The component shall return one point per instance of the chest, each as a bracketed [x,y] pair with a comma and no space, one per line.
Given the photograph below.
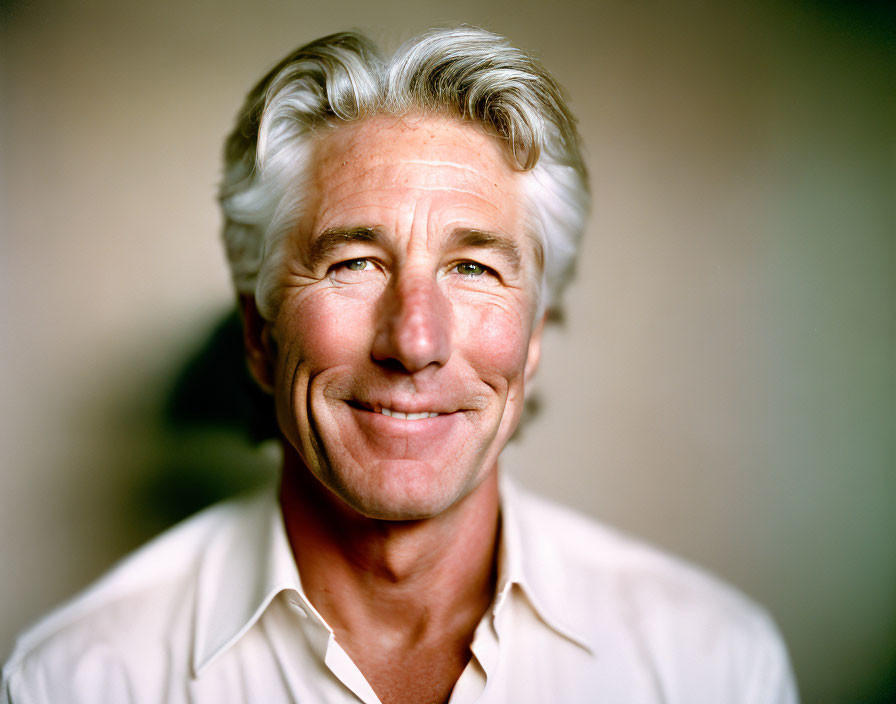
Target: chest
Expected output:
[424,675]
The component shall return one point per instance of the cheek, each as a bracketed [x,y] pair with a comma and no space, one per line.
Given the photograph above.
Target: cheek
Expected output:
[323,329]
[495,339]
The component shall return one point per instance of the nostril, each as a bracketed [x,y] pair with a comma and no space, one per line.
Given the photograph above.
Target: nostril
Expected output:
[392,364]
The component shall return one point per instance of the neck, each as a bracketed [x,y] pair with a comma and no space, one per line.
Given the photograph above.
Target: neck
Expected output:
[413,579]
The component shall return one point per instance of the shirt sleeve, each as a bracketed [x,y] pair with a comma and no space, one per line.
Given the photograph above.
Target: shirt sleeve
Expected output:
[773,681]
[10,689]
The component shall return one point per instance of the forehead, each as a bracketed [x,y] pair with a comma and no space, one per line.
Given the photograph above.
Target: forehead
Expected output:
[384,141]
[383,160]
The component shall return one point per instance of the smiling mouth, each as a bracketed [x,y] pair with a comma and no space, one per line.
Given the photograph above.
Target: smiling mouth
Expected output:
[408,416]
[392,413]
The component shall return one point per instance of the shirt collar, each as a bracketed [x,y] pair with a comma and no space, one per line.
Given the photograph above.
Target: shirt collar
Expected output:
[530,560]
[248,561]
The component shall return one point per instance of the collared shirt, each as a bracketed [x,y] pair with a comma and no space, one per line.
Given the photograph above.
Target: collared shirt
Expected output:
[214,611]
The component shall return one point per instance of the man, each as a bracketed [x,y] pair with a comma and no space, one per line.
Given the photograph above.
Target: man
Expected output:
[397,230]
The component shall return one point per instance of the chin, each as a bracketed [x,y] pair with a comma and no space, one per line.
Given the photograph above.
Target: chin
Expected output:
[403,490]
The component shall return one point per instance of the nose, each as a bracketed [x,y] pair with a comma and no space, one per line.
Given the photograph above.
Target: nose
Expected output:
[414,329]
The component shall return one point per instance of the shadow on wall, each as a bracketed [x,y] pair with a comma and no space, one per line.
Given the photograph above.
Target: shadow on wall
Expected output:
[212,422]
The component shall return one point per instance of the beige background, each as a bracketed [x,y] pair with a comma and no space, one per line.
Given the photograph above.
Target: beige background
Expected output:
[724,385]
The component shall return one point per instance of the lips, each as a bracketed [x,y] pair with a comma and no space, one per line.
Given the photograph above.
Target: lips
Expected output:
[408,416]
[416,410]
[387,430]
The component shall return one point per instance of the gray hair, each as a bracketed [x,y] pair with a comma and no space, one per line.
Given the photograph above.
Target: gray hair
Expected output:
[466,72]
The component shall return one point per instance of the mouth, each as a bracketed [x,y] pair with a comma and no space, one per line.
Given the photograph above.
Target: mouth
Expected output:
[394,412]
[408,416]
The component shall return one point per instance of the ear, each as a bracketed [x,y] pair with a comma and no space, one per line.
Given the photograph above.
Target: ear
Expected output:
[533,356]
[257,341]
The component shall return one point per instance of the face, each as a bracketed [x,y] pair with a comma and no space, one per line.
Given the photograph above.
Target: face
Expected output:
[404,332]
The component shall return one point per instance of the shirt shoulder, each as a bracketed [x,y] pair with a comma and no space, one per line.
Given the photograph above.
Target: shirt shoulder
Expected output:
[128,622]
[685,625]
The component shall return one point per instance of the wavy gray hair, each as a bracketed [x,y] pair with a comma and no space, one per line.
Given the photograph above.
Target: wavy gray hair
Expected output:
[466,72]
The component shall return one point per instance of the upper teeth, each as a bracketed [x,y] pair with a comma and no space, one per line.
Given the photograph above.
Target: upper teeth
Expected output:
[408,416]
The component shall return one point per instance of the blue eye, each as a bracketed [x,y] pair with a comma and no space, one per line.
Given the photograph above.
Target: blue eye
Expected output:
[470,269]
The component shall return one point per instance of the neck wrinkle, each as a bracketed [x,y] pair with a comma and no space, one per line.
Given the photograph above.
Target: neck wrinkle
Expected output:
[410,578]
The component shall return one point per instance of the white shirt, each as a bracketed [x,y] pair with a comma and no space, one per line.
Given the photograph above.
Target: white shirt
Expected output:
[213,611]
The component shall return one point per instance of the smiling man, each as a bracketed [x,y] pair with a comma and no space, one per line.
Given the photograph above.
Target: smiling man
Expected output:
[405,321]
[397,230]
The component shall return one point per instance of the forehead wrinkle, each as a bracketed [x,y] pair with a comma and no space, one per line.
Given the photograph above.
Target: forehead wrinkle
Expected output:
[453,164]
[334,201]
[336,207]
[411,212]
[408,211]
[326,174]
[365,172]
[480,196]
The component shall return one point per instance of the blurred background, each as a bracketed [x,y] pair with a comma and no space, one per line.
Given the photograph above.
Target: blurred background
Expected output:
[723,385]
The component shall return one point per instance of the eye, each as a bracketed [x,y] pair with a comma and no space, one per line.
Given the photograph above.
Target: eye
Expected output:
[352,271]
[470,269]
[358,264]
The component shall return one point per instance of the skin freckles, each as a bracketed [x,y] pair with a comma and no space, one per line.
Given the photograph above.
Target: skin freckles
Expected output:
[410,287]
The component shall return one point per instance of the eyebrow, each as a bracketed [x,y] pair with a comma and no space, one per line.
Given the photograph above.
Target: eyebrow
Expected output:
[335,237]
[503,244]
